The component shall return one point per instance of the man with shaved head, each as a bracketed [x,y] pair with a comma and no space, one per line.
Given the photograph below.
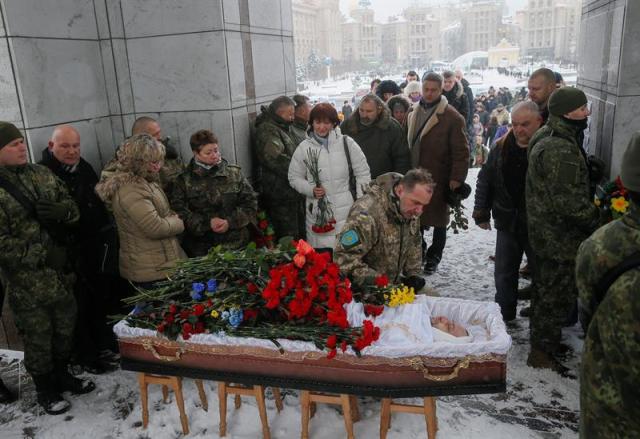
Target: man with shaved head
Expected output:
[172,166]
[62,157]
[500,191]
[542,83]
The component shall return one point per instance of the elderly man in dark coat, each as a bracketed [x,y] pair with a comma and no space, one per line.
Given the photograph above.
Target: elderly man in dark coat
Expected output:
[436,136]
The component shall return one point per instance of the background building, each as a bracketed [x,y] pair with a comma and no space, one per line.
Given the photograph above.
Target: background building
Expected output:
[503,54]
[550,29]
[423,35]
[395,41]
[317,29]
[481,21]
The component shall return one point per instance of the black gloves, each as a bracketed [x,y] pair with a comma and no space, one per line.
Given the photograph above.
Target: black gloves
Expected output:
[51,211]
[454,197]
[596,168]
[415,282]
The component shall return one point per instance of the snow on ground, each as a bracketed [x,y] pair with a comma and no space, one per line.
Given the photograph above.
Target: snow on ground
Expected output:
[537,404]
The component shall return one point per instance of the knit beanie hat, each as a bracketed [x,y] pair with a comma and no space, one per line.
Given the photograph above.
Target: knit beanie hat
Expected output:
[630,169]
[8,133]
[412,87]
[566,99]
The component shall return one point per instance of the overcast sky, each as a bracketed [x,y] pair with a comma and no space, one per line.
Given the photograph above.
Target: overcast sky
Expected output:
[385,8]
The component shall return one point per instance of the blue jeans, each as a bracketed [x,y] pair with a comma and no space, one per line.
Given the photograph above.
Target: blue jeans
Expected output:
[510,247]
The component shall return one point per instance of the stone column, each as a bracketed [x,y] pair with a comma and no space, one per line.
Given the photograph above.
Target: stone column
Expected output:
[100,64]
[609,73]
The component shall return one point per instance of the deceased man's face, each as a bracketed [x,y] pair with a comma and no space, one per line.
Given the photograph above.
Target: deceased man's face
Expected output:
[450,327]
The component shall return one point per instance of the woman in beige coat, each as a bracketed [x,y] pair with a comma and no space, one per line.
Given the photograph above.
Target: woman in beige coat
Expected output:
[147,227]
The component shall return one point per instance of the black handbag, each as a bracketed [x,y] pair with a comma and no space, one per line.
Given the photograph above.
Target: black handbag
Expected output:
[352,177]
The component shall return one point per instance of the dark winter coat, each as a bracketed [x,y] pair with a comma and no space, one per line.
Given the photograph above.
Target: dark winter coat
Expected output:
[458,100]
[469,94]
[81,183]
[441,148]
[494,188]
[383,143]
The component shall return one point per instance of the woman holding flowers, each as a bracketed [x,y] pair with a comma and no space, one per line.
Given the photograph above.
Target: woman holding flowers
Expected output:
[147,227]
[320,171]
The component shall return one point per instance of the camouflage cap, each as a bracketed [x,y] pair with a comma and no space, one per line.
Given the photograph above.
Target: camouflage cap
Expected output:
[8,133]
[630,169]
[566,99]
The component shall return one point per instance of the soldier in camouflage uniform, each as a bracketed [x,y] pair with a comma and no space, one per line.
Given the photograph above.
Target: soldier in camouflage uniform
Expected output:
[215,201]
[382,232]
[610,375]
[560,215]
[274,149]
[172,166]
[35,269]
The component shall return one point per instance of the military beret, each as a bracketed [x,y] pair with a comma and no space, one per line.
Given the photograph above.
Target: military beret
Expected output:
[566,99]
[8,133]
[630,169]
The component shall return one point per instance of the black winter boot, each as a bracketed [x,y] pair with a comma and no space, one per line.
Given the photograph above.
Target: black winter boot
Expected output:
[50,400]
[6,396]
[64,381]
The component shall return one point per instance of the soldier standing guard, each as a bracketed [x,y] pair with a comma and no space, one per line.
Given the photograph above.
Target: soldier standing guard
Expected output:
[34,207]
[560,215]
[610,375]
[382,233]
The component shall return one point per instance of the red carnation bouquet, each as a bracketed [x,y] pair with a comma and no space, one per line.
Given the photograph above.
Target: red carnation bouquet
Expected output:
[324,221]
[284,293]
[263,234]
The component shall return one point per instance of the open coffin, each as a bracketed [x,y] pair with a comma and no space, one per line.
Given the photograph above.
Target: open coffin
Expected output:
[398,370]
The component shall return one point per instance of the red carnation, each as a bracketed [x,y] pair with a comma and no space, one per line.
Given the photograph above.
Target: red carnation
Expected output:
[332,353]
[373,310]
[381,281]
[198,309]
[263,224]
[173,308]
[343,345]
[331,341]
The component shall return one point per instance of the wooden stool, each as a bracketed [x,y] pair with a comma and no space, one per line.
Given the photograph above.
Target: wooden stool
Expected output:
[144,379]
[428,409]
[349,405]
[225,389]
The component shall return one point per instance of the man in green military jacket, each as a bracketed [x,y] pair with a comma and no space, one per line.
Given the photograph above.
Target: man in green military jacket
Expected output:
[382,233]
[34,267]
[274,148]
[610,375]
[560,215]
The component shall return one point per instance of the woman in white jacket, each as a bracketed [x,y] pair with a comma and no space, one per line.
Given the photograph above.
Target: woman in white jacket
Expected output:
[334,172]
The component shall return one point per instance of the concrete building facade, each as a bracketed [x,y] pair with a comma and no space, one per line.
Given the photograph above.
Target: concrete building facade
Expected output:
[317,26]
[609,73]
[99,65]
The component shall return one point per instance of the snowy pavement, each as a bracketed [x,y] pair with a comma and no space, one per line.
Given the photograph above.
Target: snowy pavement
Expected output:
[537,404]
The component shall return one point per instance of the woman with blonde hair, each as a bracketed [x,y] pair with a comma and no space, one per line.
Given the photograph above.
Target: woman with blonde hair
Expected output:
[147,227]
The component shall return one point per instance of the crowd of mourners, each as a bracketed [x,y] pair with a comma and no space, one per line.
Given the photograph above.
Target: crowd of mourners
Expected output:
[72,244]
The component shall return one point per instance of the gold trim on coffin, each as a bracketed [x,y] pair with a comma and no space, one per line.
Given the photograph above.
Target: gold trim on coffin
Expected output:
[417,363]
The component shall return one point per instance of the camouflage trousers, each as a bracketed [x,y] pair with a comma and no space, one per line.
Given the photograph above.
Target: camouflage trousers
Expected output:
[553,297]
[288,219]
[46,325]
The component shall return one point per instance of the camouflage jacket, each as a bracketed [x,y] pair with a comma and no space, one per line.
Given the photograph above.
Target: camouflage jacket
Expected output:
[23,241]
[610,376]
[274,149]
[376,238]
[299,131]
[199,194]
[560,211]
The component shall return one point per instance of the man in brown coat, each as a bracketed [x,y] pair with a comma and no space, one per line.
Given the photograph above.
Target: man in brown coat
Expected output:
[436,135]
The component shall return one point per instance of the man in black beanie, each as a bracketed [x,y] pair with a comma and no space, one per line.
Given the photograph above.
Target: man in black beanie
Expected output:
[35,210]
[560,215]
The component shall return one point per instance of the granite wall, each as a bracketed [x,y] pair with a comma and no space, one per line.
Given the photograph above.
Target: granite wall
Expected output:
[100,64]
[609,73]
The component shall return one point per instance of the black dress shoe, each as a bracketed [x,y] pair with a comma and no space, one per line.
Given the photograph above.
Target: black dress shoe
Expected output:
[431,266]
